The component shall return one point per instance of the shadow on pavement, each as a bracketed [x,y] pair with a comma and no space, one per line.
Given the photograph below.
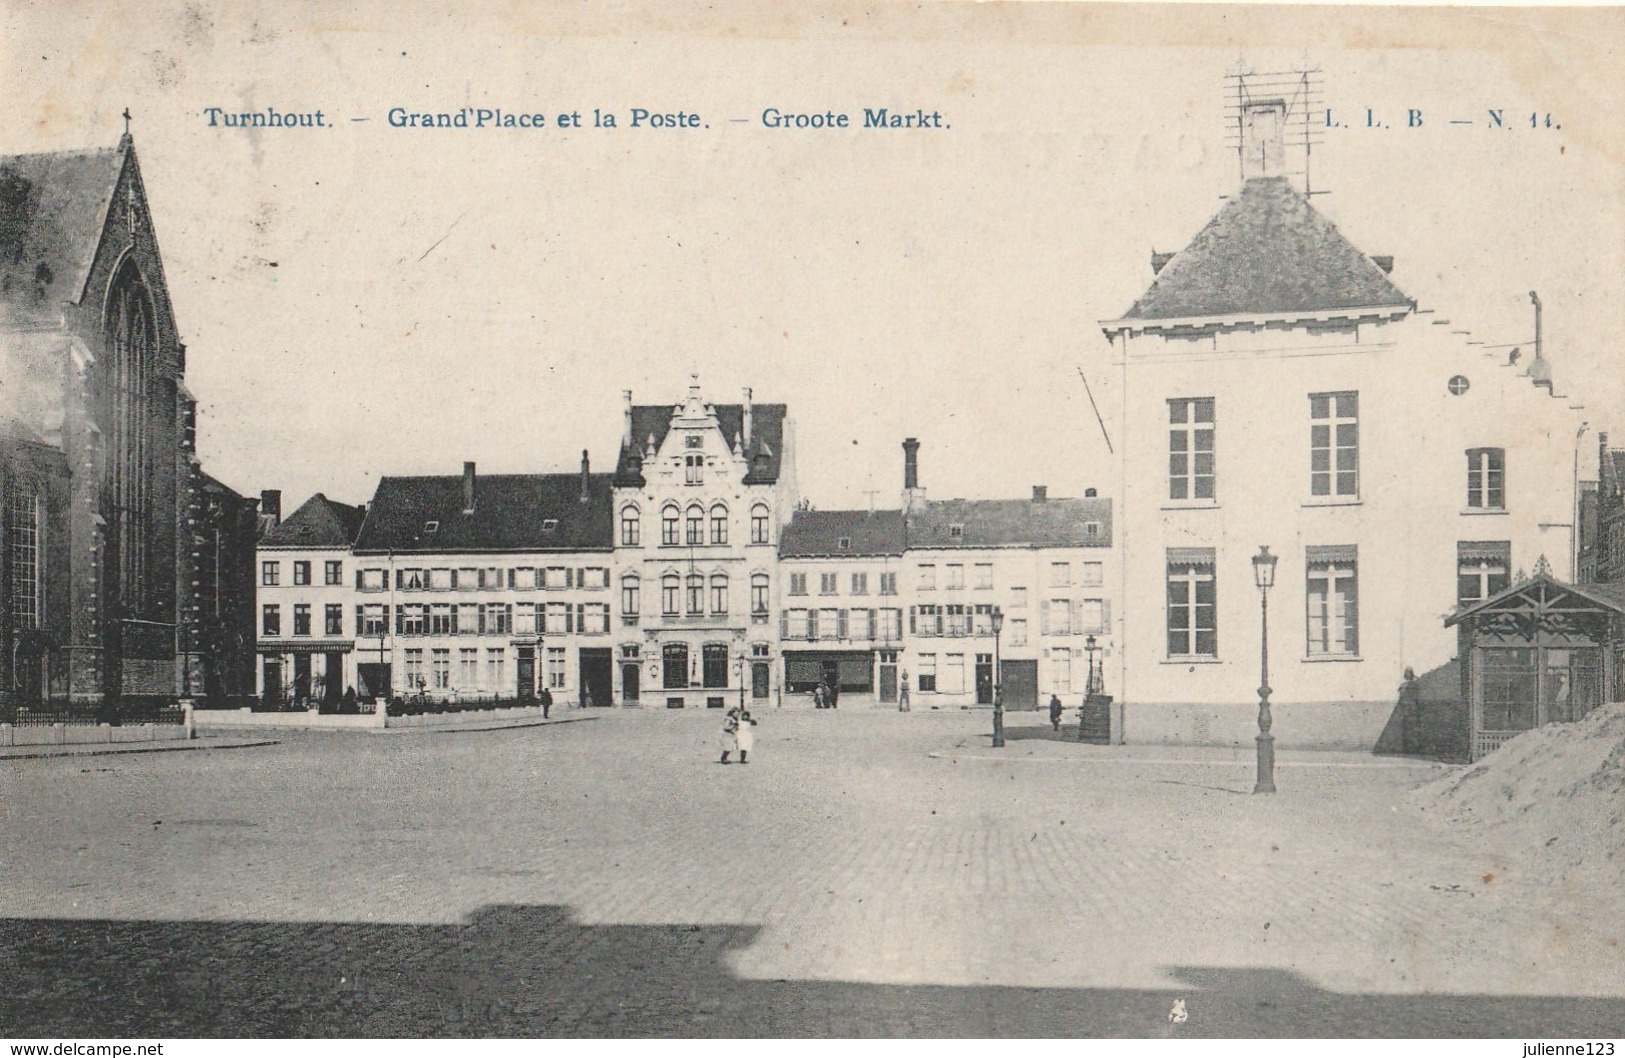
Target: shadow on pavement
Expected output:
[531,971]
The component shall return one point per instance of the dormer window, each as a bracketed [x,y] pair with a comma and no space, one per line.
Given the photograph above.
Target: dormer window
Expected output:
[549,524]
[431,527]
[1091,529]
[956,531]
[844,543]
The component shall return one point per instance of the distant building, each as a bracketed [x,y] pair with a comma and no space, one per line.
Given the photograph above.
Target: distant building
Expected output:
[307,633]
[1045,564]
[701,491]
[98,561]
[487,586]
[1278,389]
[1603,518]
[877,600]
[841,613]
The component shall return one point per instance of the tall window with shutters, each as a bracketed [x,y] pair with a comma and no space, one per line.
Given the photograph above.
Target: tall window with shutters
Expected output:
[1334,445]
[1331,596]
[1486,479]
[1190,449]
[1192,610]
[1481,569]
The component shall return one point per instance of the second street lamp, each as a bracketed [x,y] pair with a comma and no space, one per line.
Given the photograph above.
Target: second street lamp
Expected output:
[997,617]
[1264,577]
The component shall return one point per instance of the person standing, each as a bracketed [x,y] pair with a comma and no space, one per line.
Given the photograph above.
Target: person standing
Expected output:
[730,733]
[546,700]
[1055,712]
[744,738]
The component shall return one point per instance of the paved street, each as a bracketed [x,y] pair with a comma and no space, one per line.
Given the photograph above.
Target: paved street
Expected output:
[867,873]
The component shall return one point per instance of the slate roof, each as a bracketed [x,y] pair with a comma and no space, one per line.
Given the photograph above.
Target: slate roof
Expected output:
[767,437]
[320,522]
[1011,523]
[818,534]
[510,514]
[52,210]
[1266,252]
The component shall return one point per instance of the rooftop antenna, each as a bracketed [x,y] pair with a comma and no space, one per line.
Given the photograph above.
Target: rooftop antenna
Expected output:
[1298,92]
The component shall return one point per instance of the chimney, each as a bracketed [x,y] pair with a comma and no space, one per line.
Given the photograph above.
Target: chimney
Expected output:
[911,463]
[584,471]
[626,432]
[1040,493]
[747,433]
[1263,136]
[1159,261]
[1090,493]
[468,488]
[271,505]
[1384,262]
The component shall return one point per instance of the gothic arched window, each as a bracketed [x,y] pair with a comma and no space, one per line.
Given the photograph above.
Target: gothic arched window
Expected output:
[132,336]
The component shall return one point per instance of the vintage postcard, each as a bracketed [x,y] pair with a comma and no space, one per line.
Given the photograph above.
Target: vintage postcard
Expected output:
[836,520]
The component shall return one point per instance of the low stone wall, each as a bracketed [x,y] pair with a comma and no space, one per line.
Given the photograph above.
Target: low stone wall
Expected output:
[1296,725]
[242,719]
[245,719]
[90,735]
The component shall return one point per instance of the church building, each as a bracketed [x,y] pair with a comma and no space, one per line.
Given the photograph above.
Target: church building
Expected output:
[96,469]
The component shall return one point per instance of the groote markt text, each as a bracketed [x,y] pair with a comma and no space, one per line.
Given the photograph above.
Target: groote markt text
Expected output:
[885,117]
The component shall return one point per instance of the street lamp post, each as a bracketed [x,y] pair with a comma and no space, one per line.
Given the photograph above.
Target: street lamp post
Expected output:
[1264,577]
[998,688]
[740,667]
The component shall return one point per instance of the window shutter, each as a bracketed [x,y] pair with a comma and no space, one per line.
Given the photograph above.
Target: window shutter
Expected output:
[841,625]
[569,579]
[510,579]
[1105,615]
[1077,617]
[399,618]
[911,620]
[358,580]
[358,624]
[400,579]
[1043,620]
[454,610]
[784,624]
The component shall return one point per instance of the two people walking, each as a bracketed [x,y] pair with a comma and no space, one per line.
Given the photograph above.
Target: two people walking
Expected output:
[737,734]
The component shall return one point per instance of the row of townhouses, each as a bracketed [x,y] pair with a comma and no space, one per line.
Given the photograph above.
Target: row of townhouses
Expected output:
[1276,391]
[691,576]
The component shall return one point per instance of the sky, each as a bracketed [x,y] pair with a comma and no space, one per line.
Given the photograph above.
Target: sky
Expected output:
[360,300]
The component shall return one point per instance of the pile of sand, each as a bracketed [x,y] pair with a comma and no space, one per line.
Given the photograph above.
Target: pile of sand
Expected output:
[1551,800]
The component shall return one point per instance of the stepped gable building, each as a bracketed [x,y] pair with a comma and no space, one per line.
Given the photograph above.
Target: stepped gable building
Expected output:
[701,492]
[841,613]
[308,634]
[486,586]
[1278,389]
[96,465]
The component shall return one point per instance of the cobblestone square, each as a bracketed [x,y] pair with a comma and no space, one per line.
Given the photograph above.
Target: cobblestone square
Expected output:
[867,873]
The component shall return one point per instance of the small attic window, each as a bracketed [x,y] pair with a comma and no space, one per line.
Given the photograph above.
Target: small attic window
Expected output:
[694,440]
[303,532]
[845,543]
[1091,529]
[956,531]
[1458,385]
[431,527]
[549,524]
